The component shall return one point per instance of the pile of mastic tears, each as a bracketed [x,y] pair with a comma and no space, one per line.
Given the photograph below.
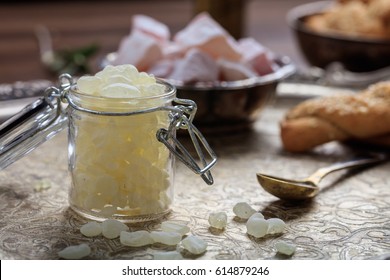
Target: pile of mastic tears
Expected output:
[176,234]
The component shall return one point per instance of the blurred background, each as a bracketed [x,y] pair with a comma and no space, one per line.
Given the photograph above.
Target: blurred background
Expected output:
[81,33]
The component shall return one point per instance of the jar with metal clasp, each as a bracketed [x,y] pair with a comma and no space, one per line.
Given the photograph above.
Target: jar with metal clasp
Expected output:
[121,150]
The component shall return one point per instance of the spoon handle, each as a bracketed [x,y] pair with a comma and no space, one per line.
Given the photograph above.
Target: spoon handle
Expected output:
[358,161]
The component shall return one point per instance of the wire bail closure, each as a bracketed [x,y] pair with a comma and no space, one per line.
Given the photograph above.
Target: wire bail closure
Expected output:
[181,117]
[179,120]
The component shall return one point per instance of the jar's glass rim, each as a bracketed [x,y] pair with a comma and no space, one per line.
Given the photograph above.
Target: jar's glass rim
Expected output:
[170,91]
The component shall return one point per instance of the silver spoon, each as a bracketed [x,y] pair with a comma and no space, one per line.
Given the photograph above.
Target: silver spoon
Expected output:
[307,188]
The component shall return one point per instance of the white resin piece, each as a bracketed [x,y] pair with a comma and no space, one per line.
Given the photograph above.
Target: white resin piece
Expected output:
[91,229]
[89,84]
[257,226]
[136,239]
[275,226]
[218,220]
[257,215]
[42,185]
[171,255]
[167,238]
[75,252]
[122,81]
[112,228]
[285,248]
[169,226]
[121,90]
[108,211]
[243,210]
[195,245]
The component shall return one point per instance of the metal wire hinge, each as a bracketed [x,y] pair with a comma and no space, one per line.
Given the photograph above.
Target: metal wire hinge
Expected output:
[182,121]
[66,82]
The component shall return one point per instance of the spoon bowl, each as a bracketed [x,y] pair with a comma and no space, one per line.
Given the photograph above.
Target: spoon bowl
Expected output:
[288,189]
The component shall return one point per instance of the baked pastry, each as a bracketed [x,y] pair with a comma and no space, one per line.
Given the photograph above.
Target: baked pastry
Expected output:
[356,18]
[363,116]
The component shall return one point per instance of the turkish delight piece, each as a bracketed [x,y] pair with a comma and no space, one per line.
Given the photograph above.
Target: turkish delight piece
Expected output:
[196,66]
[151,27]
[205,33]
[172,50]
[255,54]
[138,49]
[233,71]
[162,68]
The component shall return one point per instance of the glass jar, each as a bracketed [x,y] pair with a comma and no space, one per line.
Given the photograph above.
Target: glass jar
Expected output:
[121,150]
[119,169]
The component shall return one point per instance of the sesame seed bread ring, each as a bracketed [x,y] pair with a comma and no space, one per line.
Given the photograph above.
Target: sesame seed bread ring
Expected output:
[363,116]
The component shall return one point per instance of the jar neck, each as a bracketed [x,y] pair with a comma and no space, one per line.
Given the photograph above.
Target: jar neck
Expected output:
[81,101]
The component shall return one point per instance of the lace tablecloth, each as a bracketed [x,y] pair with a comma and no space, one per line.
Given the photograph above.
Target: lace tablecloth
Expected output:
[349,219]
